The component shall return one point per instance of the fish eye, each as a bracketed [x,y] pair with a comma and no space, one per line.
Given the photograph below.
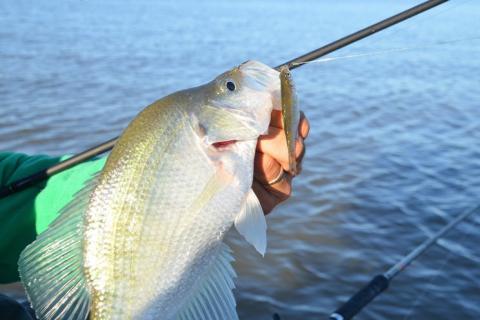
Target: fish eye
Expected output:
[230,85]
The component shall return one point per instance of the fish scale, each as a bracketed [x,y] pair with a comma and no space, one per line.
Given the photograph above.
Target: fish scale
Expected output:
[128,280]
[149,228]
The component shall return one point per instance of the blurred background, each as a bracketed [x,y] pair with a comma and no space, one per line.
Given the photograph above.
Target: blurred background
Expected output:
[393,153]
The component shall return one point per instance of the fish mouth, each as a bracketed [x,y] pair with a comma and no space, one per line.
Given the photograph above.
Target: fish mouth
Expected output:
[223,144]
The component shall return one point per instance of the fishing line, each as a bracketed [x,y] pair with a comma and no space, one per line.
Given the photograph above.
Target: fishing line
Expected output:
[368,31]
[442,10]
[433,278]
[425,291]
[420,20]
[382,281]
[380,52]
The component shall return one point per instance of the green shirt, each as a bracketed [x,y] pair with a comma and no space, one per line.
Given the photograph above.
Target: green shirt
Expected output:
[26,214]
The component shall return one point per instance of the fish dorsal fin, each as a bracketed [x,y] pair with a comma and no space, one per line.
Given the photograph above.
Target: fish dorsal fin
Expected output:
[212,297]
[251,223]
[51,268]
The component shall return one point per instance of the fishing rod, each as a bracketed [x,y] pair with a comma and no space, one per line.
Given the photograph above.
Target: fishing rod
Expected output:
[380,282]
[28,181]
[363,33]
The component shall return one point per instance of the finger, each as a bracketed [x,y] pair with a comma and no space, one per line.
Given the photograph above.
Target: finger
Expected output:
[282,189]
[299,150]
[275,145]
[303,126]
[266,168]
[276,119]
[269,196]
[299,168]
[267,200]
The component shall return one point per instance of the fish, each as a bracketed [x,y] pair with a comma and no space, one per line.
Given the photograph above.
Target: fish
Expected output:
[144,238]
[290,116]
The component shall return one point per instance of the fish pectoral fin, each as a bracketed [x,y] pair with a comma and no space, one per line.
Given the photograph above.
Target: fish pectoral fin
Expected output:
[251,223]
[51,267]
[211,297]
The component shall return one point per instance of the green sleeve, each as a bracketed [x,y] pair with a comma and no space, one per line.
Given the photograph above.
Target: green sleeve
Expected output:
[25,214]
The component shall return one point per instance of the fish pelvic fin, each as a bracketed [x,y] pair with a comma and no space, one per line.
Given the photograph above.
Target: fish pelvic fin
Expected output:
[51,268]
[251,223]
[212,297]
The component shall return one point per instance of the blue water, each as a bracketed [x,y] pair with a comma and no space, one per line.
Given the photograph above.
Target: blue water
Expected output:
[393,154]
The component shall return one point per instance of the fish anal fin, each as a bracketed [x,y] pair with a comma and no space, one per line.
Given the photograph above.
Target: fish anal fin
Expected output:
[212,296]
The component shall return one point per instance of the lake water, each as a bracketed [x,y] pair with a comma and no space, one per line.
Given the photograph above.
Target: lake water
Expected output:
[393,154]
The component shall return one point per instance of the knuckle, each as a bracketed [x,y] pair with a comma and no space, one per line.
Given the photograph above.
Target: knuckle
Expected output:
[288,190]
[299,148]
[272,168]
[281,191]
[304,126]
[284,192]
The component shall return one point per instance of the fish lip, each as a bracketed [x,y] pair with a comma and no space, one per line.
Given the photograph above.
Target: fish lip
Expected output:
[219,145]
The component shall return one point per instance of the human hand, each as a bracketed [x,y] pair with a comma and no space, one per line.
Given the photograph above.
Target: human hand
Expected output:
[271,158]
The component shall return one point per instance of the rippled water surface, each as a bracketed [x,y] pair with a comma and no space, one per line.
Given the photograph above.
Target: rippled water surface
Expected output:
[393,154]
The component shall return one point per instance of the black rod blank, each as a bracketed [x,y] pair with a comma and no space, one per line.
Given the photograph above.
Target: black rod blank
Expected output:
[41,175]
[292,64]
[381,282]
[368,31]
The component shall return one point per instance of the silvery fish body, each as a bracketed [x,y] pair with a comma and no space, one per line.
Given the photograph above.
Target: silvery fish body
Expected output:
[144,238]
[290,116]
